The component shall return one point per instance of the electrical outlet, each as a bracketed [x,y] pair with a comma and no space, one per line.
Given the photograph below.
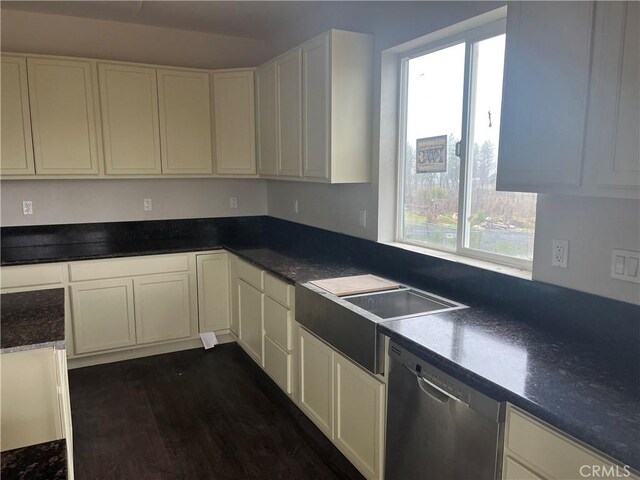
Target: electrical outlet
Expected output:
[27,207]
[560,253]
[363,218]
[233,202]
[296,207]
[148,205]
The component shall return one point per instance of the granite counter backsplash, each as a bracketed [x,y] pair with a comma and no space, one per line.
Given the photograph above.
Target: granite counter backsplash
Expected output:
[33,319]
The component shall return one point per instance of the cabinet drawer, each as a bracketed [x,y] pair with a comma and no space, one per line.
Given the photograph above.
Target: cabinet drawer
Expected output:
[251,274]
[277,322]
[552,453]
[278,290]
[127,267]
[30,275]
[514,471]
[277,363]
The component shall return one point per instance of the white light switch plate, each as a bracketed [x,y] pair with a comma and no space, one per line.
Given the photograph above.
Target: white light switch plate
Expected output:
[625,265]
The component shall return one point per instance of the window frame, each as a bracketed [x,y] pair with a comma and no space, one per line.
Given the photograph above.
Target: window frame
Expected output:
[470,37]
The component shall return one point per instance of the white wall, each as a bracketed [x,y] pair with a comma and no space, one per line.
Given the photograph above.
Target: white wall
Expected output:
[593,227]
[86,201]
[27,32]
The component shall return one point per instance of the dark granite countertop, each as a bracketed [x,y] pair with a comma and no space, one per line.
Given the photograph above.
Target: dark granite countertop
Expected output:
[31,320]
[569,385]
[574,385]
[44,461]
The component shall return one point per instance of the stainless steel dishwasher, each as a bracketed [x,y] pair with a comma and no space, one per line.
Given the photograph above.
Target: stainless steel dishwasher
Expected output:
[438,428]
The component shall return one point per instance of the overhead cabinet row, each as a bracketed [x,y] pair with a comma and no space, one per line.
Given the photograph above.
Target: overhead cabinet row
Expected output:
[64,117]
[314,110]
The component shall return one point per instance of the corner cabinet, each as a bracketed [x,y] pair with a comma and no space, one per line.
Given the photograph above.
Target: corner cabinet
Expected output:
[314,110]
[63,116]
[234,112]
[16,144]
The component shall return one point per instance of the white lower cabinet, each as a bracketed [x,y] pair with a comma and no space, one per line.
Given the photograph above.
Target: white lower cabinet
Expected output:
[316,381]
[213,291]
[162,308]
[345,402]
[250,318]
[103,315]
[277,363]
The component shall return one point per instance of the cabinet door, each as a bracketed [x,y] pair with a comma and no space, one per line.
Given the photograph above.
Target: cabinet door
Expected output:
[102,315]
[316,381]
[289,76]
[129,105]
[359,417]
[234,122]
[250,318]
[29,396]
[546,78]
[316,107]
[63,120]
[162,307]
[185,122]
[17,147]
[234,298]
[277,363]
[613,141]
[213,291]
[267,85]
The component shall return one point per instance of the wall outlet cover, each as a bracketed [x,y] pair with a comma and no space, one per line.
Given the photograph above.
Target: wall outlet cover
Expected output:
[148,205]
[27,207]
[233,202]
[559,253]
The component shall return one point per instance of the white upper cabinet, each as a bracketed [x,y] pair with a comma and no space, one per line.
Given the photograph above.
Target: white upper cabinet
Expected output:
[61,95]
[267,91]
[129,105]
[185,122]
[613,140]
[289,69]
[17,147]
[314,110]
[234,122]
[546,81]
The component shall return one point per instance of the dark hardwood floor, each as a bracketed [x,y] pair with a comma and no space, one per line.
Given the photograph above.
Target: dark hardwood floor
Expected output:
[193,415]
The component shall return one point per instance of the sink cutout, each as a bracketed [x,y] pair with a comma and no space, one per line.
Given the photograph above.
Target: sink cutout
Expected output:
[400,303]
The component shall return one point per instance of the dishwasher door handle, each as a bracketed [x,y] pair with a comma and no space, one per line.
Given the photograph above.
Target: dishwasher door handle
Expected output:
[436,392]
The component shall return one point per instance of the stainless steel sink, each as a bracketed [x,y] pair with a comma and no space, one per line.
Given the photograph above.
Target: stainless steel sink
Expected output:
[349,324]
[402,303]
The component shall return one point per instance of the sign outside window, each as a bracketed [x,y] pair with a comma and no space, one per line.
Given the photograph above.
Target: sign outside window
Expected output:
[431,154]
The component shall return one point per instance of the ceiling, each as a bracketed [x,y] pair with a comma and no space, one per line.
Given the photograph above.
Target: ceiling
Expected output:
[253,19]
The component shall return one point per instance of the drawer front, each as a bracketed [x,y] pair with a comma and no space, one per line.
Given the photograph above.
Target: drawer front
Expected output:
[127,267]
[514,471]
[30,275]
[549,451]
[277,322]
[278,290]
[251,274]
[277,363]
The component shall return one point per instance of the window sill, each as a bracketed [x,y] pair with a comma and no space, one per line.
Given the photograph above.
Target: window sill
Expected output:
[473,262]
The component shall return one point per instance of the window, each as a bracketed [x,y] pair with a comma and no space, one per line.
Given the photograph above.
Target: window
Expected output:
[451,94]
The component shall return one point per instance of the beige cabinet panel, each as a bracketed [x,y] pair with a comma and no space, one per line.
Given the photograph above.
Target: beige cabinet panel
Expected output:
[162,307]
[514,471]
[234,122]
[316,381]
[289,68]
[129,106]
[251,274]
[359,417]
[102,315]
[279,290]
[16,157]
[61,96]
[277,322]
[29,397]
[267,91]
[277,363]
[213,291]
[316,107]
[544,104]
[234,298]
[185,122]
[250,319]
[48,274]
